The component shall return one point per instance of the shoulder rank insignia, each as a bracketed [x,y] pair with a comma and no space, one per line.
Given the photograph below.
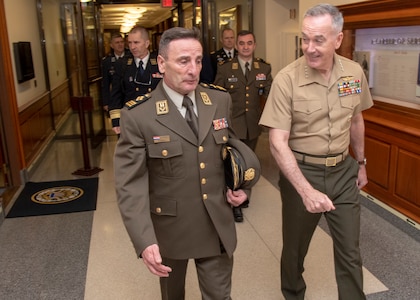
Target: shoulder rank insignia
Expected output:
[139,100]
[213,87]
[262,60]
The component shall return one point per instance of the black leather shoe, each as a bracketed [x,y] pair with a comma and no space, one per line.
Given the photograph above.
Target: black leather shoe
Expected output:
[237,214]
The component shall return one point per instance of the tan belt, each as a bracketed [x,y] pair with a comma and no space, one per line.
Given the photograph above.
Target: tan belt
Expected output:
[328,161]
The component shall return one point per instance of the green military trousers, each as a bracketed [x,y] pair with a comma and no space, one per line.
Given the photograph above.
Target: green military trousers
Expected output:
[339,184]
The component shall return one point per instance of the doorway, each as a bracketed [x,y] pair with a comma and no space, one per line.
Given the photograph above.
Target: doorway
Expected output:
[83,60]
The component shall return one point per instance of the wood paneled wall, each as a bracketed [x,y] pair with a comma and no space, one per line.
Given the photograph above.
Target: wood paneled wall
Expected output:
[38,121]
[392,144]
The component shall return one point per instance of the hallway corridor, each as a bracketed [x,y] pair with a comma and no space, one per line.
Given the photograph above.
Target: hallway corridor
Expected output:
[88,255]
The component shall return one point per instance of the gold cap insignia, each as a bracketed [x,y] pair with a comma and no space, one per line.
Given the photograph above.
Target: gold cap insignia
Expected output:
[249,174]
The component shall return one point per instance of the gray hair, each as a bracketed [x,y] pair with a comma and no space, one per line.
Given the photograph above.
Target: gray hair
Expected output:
[143,32]
[176,33]
[327,9]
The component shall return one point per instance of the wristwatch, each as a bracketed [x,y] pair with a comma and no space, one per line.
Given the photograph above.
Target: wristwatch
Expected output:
[362,162]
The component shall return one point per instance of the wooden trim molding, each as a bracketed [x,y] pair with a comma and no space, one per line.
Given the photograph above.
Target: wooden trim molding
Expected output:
[381,13]
[8,104]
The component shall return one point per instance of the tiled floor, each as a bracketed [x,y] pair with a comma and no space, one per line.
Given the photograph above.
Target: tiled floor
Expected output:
[114,272]
[256,269]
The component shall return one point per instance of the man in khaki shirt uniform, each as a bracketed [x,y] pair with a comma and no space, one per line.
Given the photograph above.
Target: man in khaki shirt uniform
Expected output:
[314,112]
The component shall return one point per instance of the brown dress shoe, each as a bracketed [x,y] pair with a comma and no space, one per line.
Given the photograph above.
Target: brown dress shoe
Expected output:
[237,214]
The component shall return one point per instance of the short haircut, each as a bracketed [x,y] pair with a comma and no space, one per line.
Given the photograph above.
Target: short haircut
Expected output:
[246,32]
[143,31]
[115,35]
[327,9]
[227,29]
[176,33]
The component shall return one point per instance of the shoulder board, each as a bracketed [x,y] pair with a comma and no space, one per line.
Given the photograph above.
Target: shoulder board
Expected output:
[262,60]
[222,62]
[213,87]
[136,102]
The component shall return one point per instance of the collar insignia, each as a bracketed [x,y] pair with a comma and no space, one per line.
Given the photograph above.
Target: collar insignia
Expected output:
[162,107]
[206,98]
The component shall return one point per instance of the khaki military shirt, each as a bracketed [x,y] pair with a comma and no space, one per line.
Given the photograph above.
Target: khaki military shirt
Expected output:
[317,113]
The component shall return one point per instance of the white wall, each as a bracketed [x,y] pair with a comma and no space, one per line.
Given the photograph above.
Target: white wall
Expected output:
[54,42]
[272,23]
[275,30]
[22,25]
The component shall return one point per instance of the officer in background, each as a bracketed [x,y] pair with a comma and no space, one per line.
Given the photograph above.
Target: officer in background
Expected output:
[247,79]
[227,51]
[118,51]
[134,76]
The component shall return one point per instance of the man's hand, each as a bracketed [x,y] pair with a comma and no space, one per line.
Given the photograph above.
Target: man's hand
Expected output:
[317,202]
[117,130]
[362,179]
[153,261]
[236,198]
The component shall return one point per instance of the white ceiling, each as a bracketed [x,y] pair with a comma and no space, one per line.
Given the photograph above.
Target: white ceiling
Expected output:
[112,15]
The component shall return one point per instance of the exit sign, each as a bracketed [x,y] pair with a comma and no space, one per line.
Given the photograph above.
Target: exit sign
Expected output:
[167,3]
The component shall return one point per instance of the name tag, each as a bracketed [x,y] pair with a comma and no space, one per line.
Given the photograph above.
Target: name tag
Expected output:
[161,139]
